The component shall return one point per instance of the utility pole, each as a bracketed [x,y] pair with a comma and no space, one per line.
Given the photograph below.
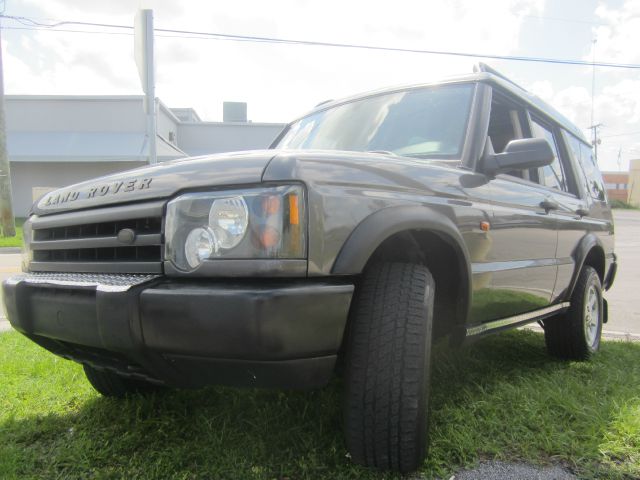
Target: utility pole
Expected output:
[620,158]
[595,140]
[6,207]
[144,55]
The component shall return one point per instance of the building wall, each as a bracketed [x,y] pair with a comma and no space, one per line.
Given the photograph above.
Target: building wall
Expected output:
[634,182]
[617,185]
[166,125]
[37,178]
[84,137]
[213,137]
[35,113]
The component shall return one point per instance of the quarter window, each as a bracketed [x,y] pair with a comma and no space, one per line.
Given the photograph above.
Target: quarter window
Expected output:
[589,172]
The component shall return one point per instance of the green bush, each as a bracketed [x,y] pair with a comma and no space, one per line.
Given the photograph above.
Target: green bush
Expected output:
[621,204]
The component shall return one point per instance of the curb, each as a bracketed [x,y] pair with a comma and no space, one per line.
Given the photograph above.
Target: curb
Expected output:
[606,334]
[9,250]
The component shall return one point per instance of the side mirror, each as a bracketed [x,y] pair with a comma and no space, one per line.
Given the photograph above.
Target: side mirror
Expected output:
[520,154]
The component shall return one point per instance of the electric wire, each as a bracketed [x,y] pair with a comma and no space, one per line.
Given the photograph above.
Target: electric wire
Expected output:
[32,24]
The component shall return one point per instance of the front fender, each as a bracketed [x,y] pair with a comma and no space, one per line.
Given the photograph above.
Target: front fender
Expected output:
[381,225]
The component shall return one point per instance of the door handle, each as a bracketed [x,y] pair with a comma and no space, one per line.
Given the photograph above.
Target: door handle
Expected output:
[549,204]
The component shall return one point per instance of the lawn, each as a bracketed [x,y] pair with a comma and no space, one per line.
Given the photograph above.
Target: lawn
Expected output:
[500,399]
[13,241]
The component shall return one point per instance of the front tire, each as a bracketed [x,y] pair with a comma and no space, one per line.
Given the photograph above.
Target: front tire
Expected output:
[112,385]
[576,334]
[388,367]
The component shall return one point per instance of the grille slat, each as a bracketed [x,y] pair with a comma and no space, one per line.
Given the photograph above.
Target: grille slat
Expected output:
[71,242]
[93,242]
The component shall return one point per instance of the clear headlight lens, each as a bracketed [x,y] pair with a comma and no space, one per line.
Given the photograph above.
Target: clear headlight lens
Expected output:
[200,244]
[229,218]
[258,223]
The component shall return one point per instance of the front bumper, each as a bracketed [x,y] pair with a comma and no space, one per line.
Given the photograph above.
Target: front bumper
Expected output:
[185,333]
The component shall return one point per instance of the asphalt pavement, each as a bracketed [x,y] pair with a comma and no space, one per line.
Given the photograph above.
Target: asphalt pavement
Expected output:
[624,305]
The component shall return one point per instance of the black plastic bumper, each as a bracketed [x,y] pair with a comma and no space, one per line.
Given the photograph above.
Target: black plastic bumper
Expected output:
[280,333]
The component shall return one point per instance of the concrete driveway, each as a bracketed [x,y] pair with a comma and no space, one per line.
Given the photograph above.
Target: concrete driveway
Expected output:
[9,265]
[624,307]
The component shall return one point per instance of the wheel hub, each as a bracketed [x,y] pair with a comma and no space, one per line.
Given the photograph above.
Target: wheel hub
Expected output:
[591,315]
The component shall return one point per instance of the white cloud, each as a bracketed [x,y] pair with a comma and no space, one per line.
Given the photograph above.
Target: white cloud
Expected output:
[618,40]
[279,82]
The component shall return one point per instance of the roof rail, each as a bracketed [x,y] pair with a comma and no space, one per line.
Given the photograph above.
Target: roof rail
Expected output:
[324,102]
[483,67]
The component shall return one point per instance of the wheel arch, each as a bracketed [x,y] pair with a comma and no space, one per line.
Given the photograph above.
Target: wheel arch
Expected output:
[412,233]
[588,252]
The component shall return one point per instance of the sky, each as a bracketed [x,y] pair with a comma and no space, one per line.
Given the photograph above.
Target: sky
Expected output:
[281,82]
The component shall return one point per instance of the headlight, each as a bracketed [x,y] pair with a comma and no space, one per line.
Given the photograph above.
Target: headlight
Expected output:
[229,218]
[259,223]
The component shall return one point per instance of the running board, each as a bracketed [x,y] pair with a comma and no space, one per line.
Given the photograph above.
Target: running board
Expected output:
[516,320]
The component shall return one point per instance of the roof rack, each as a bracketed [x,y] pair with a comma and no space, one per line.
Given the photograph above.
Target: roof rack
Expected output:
[483,67]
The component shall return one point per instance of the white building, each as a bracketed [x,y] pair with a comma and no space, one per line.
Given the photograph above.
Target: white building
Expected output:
[55,141]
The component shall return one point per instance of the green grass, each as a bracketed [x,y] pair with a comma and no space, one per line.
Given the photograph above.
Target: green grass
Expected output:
[13,241]
[503,398]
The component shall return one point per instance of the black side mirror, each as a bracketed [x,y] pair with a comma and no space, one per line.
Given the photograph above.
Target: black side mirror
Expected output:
[520,154]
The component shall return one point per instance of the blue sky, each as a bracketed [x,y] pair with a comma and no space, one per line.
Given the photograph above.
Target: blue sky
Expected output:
[280,82]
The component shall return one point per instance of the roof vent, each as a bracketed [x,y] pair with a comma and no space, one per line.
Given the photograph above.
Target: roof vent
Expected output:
[234,112]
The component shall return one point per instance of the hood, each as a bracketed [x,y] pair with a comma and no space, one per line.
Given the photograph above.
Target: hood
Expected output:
[158,181]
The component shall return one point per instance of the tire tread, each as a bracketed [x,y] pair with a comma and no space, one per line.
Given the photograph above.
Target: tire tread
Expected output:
[388,366]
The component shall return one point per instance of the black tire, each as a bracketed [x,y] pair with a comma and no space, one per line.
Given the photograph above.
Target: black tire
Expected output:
[112,385]
[567,336]
[388,367]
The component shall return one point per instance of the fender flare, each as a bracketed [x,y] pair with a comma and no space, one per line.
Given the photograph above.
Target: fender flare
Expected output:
[381,225]
[586,244]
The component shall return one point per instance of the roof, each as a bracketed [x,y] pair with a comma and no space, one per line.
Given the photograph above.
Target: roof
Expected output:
[530,99]
[85,147]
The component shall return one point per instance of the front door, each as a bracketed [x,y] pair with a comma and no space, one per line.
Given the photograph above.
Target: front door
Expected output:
[521,264]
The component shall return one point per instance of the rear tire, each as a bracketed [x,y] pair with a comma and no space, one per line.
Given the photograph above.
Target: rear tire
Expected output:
[576,334]
[112,385]
[388,367]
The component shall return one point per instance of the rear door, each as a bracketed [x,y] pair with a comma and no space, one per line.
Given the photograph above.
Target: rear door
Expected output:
[582,206]
[562,191]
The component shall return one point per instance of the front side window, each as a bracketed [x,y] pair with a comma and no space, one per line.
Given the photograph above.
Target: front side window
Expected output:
[552,175]
[425,123]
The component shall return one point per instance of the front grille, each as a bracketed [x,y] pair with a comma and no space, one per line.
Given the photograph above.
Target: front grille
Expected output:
[88,241]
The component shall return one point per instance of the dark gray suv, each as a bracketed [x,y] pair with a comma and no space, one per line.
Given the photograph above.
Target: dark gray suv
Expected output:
[372,226]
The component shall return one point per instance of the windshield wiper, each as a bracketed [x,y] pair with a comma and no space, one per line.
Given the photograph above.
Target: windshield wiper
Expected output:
[384,152]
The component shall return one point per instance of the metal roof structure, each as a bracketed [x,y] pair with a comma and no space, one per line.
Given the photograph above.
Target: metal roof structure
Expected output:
[85,147]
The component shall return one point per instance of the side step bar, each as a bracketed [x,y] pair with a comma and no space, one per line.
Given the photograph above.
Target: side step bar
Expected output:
[516,320]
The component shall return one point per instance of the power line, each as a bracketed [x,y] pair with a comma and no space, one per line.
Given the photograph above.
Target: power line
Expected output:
[32,24]
[567,20]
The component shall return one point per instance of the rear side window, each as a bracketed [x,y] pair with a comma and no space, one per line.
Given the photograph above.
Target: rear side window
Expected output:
[552,175]
[591,176]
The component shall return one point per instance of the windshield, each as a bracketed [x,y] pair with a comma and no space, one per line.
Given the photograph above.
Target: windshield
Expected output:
[427,122]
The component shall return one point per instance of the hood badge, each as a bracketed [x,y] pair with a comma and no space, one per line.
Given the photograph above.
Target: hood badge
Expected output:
[126,236]
[100,190]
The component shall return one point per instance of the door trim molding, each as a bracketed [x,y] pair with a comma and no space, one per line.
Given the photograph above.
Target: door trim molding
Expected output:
[521,318]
